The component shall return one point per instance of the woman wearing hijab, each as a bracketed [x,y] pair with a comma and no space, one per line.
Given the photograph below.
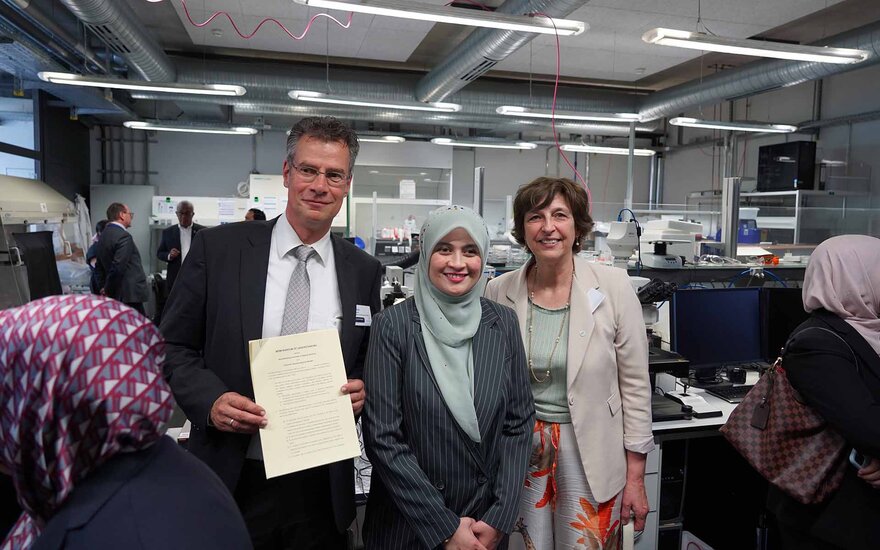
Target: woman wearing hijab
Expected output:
[833,361]
[449,415]
[84,410]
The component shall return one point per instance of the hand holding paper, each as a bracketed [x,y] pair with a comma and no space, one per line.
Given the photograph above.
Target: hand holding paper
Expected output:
[298,380]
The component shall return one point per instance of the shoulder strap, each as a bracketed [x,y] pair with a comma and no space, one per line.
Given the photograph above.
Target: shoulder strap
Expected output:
[839,337]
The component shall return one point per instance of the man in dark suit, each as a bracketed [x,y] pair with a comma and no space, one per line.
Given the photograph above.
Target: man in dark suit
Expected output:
[120,272]
[177,239]
[235,287]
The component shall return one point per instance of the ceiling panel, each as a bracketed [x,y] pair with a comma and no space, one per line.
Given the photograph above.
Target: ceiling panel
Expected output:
[368,37]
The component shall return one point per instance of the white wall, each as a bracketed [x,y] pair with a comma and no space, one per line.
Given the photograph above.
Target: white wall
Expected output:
[212,165]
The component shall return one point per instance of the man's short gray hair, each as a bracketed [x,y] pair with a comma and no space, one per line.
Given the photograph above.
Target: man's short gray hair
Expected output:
[182,204]
[326,129]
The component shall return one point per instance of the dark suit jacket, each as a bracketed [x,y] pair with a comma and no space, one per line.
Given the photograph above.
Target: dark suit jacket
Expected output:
[160,497]
[427,473]
[216,307]
[171,239]
[847,396]
[120,272]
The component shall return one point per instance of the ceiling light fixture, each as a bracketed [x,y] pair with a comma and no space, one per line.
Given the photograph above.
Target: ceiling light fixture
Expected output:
[514,110]
[734,126]
[759,48]
[163,127]
[71,79]
[381,139]
[405,9]
[485,144]
[600,150]
[319,97]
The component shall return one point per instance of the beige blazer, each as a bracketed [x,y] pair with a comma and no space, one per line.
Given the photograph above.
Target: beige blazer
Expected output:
[609,394]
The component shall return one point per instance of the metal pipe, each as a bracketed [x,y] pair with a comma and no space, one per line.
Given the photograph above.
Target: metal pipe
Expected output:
[628,200]
[730,191]
[115,23]
[484,48]
[661,176]
[52,32]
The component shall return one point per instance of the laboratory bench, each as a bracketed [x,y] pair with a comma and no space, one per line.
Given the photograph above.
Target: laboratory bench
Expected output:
[697,482]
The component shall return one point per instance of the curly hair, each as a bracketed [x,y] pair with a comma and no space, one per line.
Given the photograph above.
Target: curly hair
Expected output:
[539,193]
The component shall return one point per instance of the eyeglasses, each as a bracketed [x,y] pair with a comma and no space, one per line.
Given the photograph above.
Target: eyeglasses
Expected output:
[310,173]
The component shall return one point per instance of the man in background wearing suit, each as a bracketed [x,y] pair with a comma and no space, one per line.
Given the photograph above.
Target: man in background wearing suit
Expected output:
[177,239]
[242,282]
[119,269]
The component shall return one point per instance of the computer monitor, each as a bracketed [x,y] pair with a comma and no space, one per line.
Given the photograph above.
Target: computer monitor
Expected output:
[715,326]
[782,310]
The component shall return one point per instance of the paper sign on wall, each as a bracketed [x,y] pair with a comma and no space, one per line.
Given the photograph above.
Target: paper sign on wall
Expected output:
[407,189]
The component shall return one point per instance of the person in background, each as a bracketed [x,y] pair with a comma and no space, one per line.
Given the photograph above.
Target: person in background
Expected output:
[449,413]
[587,353]
[833,361]
[120,272]
[254,214]
[176,241]
[245,281]
[96,471]
[92,258]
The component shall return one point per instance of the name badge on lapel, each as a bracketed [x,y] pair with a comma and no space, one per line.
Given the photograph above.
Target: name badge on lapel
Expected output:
[595,297]
[362,316]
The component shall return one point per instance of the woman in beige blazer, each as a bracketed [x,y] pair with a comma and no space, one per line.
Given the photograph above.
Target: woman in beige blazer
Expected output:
[587,353]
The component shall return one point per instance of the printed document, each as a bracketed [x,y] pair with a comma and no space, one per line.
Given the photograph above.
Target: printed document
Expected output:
[297,379]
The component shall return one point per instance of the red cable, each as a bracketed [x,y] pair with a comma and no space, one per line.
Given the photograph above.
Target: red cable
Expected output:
[553,114]
[264,21]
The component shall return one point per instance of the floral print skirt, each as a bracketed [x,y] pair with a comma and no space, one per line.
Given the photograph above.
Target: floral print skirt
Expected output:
[557,510]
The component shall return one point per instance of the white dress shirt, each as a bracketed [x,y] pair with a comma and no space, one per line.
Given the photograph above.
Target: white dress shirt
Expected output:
[325,305]
[186,237]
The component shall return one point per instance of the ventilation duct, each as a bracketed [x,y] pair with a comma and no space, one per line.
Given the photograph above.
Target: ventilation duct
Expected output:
[115,23]
[24,58]
[484,48]
[760,76]
[268,85]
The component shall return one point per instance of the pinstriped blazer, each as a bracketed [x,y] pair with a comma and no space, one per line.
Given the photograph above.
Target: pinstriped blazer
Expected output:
[427,473]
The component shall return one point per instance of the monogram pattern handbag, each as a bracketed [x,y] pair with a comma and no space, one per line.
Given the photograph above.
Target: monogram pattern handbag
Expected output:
[785,440]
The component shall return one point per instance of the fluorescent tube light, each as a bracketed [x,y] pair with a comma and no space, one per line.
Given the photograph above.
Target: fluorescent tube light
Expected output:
[162,127]
[599,150]
[141,85]
[735,126]
[319,97]
[485,144]
[758,48]
[514,110]
[457,16]
[381,139]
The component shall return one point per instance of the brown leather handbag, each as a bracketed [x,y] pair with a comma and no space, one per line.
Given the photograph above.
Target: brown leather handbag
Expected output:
[785,440]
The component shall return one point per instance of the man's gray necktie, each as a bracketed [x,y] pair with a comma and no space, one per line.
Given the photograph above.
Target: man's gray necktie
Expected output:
[296,306]
[296,316]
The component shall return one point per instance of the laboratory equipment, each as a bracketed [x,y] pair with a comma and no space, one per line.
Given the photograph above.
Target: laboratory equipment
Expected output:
[665,243]
[37,214]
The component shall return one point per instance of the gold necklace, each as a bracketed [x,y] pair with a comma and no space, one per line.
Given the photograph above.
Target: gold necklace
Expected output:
[531,328]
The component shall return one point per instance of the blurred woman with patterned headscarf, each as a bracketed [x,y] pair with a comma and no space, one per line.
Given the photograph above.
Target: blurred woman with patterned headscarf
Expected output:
[84,409]
[833,361]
